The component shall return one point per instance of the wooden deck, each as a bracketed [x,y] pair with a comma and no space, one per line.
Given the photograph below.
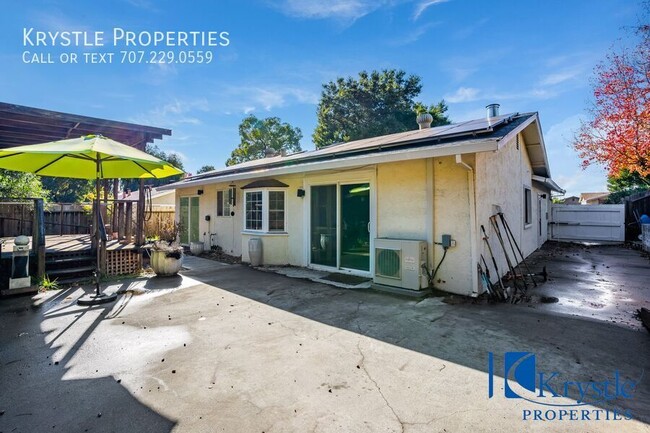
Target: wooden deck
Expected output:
[67,244]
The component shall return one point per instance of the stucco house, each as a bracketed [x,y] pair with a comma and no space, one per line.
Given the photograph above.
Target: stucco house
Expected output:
[157,197]
[594,197]
[571,200]
[382,207]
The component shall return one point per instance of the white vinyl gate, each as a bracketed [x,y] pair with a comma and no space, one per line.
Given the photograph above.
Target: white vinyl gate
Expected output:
[591,223]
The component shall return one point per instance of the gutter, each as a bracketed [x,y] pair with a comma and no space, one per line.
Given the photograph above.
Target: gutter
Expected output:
[472,222]
[433,151]
[550,183]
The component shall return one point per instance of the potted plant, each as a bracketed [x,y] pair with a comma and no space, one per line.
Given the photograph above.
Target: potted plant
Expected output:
[166,252]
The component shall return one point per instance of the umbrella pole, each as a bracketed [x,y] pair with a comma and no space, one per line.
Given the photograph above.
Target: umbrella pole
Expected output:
[98,297]
[97,233]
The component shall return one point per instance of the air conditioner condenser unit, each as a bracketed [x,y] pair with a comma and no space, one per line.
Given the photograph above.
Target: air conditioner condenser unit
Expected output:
[399,263]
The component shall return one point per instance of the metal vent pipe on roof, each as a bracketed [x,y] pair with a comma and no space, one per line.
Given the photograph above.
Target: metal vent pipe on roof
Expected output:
[492,110]
[424,120]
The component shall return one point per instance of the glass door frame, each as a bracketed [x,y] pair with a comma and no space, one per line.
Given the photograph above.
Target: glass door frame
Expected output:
[189,217]
[338,181]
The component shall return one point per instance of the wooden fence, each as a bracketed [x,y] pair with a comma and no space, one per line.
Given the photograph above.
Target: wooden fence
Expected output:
[16,218]
[161,216]
[635,206]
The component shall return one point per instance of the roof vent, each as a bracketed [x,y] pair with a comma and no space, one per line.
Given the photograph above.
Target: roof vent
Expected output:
[424,120]
[269,152]
[492,110]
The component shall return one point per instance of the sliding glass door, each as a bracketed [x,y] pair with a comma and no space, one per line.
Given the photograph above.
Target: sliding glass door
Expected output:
[340,226]
[323,225]
[355,226]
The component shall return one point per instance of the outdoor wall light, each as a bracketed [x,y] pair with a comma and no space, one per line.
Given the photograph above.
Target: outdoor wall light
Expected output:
[199,192]
[301,192]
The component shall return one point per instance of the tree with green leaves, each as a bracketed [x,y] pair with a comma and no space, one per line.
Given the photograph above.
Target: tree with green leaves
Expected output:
[205,169]
[373,104]
[627,180]
[67,190]
[626,183]
[14,184]
[262,136]
[172,158]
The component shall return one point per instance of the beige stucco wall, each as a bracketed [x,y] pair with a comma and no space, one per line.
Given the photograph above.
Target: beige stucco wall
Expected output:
[227,229]
[278,249]
[285,248]
[168,198]
[500,180]
[451,210]
[402,200]
[418,199]
[402,207]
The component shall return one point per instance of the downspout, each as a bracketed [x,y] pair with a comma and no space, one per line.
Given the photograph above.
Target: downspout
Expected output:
[430,211]
[472,225]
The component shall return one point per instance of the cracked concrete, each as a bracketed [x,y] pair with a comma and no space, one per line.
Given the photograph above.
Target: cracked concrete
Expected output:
[225,348]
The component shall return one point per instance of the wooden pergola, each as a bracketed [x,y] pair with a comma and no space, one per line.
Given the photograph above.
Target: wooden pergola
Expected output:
[21,125]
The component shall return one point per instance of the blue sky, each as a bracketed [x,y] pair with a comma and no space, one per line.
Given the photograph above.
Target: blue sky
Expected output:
[525,55]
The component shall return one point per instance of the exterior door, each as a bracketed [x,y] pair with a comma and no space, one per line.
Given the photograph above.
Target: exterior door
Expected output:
[324,225]
[355,226]
[542,205]
[189,220]
[340,221]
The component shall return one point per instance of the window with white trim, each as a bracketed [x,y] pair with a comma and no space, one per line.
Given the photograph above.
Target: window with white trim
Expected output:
[265,211]
[528,206]
[223,203]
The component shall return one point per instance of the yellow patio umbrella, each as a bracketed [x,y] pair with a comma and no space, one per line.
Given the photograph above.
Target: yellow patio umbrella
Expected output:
[88,157]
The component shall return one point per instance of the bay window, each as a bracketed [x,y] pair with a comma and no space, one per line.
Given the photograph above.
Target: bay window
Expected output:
[265,211]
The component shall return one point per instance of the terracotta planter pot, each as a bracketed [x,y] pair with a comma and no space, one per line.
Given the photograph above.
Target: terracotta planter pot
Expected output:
[165,266]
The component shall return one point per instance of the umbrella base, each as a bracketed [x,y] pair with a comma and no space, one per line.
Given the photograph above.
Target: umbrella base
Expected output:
[96,299]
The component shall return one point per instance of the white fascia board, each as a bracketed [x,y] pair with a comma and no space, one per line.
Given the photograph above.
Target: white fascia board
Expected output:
[433,151]
[549,183]
[512,134]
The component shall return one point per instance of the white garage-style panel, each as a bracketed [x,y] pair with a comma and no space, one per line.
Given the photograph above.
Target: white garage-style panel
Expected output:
[595,223]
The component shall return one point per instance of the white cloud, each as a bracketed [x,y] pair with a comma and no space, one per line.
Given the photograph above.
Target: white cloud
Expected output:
[146,5]
[590,180]
[463,94]
[461,66]
[560,135]
[414,35]
[424,5]
[471,94]
[249,98]
[347,10]
[565,163]
[181,155]
[175,112]
[559,77]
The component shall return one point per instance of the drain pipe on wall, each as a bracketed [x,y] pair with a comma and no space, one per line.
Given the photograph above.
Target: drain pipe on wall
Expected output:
[472,218]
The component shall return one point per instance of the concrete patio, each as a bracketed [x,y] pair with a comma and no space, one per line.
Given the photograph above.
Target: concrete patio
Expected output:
[229,348]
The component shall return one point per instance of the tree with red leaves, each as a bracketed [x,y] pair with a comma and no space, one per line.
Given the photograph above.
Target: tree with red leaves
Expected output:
[618,133]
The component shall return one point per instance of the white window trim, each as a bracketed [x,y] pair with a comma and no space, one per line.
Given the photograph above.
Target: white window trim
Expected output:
[528,189]
[265,212]
[225,201]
